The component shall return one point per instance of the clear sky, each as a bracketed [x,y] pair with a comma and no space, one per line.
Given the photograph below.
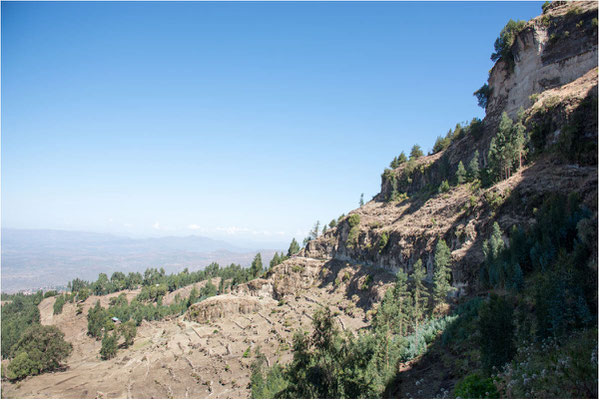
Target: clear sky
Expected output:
[243,121]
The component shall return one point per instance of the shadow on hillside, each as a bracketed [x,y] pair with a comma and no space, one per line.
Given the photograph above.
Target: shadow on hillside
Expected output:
[355,283]
[438,368]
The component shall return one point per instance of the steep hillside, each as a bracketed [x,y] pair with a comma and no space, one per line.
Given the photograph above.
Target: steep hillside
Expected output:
[209,350]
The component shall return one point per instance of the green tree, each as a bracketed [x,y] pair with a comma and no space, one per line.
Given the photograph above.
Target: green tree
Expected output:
[482,96]
[501,150]
[419,291]
[294,247]
[40,349]
[461,174]
[441,144]
[128,330]
[493,273]
[96,319]
[473,167]
[333,223]
[256,267]
[276,260]
[416,152]
[503,44]
[442,274]
[109,346]
[361,199]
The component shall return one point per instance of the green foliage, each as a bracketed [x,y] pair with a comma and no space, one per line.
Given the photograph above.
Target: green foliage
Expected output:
[545,6]
[461,174]
[128,330]
[493,273]
[40,349]
[361,199]
[507,148]
[416,152]
[58,304]
[247,353]
[503,44]
[496,328]
[266,384]
[482,95]
[473,167]
[444,187]
[294,247]
[352,237]
[442,274]
[383,241]
[441,144]
[109,346]
[17,316]
[353,220]
[96,320]
[256,268]
[333,223]
[397,161]
[475,386]
[419,291]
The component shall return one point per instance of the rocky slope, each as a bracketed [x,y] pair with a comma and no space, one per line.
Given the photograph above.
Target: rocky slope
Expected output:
[555,82]
[201,354]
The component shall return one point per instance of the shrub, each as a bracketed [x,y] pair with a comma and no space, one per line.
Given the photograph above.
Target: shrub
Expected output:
[383,241]
[58,304]
[353,220]
[475,386]
[444,187]
[247,352]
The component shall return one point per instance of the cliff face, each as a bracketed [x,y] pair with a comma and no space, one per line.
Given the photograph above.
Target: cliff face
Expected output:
[554,80]
[553,49]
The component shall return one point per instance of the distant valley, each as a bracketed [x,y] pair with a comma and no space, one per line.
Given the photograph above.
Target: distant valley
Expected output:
[33,259]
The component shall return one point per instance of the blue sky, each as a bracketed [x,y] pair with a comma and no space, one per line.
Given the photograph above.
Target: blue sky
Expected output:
[243,121]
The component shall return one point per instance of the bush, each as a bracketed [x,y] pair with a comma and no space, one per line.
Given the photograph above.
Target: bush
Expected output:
[353,220]
[383,241]
[40,349]
[444,187]
[58,304]
[474,386]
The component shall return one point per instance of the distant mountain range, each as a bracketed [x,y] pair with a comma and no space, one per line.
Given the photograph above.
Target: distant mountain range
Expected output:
[42,258]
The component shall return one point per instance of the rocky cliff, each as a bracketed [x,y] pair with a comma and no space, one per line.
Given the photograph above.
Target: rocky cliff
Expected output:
[554,80]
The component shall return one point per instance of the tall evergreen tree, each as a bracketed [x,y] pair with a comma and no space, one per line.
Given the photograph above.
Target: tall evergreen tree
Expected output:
[473,167]
[294,247]
[416,152]
[493,273]
[109,346]
[461,173]
[401,158]
[442,274]
[361,199]
[276,260]
[256,267]
[419,291]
